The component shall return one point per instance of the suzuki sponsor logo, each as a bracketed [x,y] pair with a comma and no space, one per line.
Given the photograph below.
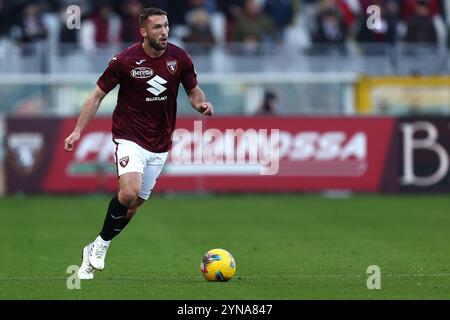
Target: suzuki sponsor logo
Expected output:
[422,137]
[25,151]
[141,72]
[156,85]
[156,99]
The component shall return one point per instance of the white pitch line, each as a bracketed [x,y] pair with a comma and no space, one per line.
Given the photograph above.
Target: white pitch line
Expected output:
[243,277]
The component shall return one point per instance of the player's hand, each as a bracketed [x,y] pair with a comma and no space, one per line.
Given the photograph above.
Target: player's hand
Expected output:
[205,108]
[70,140]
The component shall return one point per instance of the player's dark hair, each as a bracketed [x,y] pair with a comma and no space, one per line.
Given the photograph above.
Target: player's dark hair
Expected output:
[147,12]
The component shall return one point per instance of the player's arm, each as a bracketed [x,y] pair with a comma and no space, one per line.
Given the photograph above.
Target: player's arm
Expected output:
[197,100]
[88,111]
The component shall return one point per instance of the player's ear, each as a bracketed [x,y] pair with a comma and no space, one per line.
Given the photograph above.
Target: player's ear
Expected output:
[143,32]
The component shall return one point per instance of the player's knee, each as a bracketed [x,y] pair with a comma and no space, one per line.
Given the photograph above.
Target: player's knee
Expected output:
[131,212]
[127,196]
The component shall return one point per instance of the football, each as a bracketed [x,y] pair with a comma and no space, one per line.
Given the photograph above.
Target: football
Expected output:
[218,265]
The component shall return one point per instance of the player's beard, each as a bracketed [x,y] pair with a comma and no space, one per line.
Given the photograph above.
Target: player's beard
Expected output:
[155,44]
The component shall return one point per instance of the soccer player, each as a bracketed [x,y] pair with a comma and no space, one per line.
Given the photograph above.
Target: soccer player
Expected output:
[149,74]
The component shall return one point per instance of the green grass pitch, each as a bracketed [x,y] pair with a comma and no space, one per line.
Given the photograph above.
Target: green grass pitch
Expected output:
[285,246]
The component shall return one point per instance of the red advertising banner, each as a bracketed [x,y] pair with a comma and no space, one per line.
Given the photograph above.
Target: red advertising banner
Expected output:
[210,154]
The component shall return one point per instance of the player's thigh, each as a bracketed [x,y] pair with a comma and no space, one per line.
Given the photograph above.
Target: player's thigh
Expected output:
[130,183]
[151,174]
[130,162]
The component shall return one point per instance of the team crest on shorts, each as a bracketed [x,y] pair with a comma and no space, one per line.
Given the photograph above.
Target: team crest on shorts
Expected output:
[172,66]
[124,161]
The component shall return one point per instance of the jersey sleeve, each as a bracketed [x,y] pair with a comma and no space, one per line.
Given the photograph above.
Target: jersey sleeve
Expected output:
[111,76]
[189,77]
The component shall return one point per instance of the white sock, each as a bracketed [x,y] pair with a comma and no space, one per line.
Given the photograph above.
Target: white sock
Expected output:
[99,239]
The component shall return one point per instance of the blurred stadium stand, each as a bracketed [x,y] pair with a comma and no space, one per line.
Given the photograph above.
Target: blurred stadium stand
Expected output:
[310,53]
[240,49]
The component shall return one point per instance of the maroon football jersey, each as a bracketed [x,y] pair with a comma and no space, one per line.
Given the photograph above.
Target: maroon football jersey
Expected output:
[147,101]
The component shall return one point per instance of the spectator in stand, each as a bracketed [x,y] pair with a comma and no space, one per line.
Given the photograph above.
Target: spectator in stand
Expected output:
[409,8]
[6,17]
[208,5]
[281,12]
[101,28]
[269,105]
[199,32]
[342,7]
[31,32]
[254,27]
[331,32]
[129,29]
[192,5]
[176,10]
[386,33]
[420,26]
[117,5]
[233,10]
